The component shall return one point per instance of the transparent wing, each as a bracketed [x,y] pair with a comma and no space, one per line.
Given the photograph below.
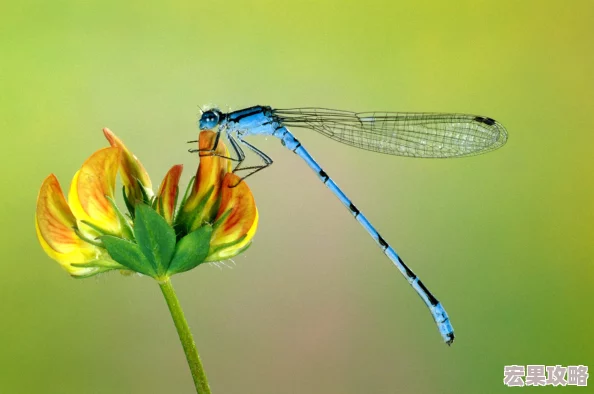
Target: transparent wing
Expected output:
[401,133]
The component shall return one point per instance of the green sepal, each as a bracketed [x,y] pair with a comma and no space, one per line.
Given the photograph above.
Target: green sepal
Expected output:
[202,203]
[218,248]
[129,205]
[246,247]
[184,221]
[188,189]
[109,264]
[238,252]
[85,238]
[220,220]
[128,254]
[191,250]
[174,205]
[127,231]
[157,204]
[98,229]
[102,265]
[124,225]
[155,237]
[145,198]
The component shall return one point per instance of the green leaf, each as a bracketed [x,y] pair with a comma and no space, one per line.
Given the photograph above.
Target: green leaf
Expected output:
[191,250]
[155,237]
[128,254]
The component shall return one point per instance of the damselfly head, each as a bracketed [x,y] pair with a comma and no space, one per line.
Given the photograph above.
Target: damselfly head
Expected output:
[210,119]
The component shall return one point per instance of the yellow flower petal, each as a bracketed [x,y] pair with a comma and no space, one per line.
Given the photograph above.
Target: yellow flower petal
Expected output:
[239,220]
[168,192]
[131,170]
[208,177]
[55,224]
[91,185]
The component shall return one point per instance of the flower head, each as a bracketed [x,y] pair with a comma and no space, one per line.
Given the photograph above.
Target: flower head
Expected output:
[215,200]
[89,234]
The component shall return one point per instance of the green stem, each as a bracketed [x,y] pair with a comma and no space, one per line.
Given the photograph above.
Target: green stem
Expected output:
[185,336]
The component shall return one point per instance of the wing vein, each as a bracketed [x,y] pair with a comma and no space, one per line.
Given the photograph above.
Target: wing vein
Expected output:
[401,133]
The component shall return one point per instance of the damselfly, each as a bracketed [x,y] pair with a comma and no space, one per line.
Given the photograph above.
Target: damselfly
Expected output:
[431,135]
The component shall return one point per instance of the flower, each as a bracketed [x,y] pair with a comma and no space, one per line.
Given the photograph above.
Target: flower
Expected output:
[137,184]
[216,200]
[87,235]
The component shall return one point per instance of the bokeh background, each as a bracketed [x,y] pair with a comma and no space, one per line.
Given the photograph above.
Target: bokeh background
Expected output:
[504,240]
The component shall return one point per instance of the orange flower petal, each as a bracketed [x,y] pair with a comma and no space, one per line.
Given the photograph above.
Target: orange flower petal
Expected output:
[209,175]
[55,225]
[168,191]
[91,185]
[131,170]
[238,228]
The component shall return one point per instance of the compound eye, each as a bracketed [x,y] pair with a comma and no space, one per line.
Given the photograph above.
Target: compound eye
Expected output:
[209,120]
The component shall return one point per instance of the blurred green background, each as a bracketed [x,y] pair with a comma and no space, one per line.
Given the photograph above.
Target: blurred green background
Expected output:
[504,240]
